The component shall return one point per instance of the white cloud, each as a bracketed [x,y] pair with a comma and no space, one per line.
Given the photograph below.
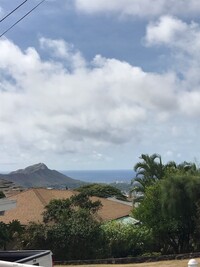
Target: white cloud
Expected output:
[63,50]
[68,106]
[45,108]
[183,39]
[174,33]
[140,8]
[165,31]
[190,103]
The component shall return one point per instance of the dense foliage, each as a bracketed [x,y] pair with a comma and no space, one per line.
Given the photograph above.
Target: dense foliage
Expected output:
[101,190]
[124,240]
[169,206]
[71,229]
[9,233]
[2,195]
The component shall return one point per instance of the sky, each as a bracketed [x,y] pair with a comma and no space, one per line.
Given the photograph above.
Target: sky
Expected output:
[93,84]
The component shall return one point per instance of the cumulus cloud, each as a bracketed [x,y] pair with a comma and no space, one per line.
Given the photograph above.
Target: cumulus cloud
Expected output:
[174,33]
[140,8]
[66,105]
[47,108]
[190,103]
[63,50]
[167,30]
[183,40]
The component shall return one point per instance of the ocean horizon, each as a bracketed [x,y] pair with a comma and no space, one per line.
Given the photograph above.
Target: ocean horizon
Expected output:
[101,176]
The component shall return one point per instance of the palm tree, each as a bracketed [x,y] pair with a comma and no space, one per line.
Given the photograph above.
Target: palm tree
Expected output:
[188,167]
[148,172]
[184,168]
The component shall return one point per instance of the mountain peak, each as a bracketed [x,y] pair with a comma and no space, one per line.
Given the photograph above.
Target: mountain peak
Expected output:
[31,169]
[39,175]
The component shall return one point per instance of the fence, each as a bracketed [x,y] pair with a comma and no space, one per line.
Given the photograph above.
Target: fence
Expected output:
[191,263]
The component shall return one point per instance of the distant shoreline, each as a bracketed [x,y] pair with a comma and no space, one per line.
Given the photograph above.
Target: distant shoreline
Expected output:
[101,176]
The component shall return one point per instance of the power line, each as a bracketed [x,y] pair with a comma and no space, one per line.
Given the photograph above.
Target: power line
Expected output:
[13,25]
[13,11]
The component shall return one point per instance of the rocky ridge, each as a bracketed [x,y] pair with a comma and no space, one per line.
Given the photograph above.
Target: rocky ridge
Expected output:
[39,175]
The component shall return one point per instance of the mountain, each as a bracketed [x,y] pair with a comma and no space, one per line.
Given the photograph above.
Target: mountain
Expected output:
[39,175]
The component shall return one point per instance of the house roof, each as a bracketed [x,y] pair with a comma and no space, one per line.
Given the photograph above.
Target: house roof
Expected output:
[31,204]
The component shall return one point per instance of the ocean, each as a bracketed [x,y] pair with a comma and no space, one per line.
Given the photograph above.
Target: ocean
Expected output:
[101,176]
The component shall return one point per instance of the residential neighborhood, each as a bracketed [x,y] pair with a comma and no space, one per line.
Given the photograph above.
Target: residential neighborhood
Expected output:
[30,206]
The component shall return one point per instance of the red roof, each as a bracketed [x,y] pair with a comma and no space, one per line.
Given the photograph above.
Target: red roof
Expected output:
[31,204]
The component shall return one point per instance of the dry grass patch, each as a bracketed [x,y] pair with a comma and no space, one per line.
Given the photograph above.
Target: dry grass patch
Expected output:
[172,263]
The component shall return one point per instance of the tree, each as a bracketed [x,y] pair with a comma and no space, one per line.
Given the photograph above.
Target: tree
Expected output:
[15,230]
[9,232]
[35,237]
[122,240]
[2,195]
[71,229]
[151,167]
[169,209]
[61,209]
[77,237]
[57,210]
[102,190]
[180,195]
[148,172]
[4,235]
[188,167]
[184,167]
[83,201]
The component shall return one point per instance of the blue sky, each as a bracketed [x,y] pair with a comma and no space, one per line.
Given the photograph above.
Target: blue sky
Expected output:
[93,84]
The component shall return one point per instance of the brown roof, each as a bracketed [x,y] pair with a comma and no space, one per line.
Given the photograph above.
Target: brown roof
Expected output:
[31,203]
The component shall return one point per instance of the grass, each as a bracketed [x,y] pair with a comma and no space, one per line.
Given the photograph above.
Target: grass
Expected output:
[172,263]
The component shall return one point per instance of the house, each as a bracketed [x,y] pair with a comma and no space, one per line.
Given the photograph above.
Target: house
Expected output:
[30,205]
[6,204]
